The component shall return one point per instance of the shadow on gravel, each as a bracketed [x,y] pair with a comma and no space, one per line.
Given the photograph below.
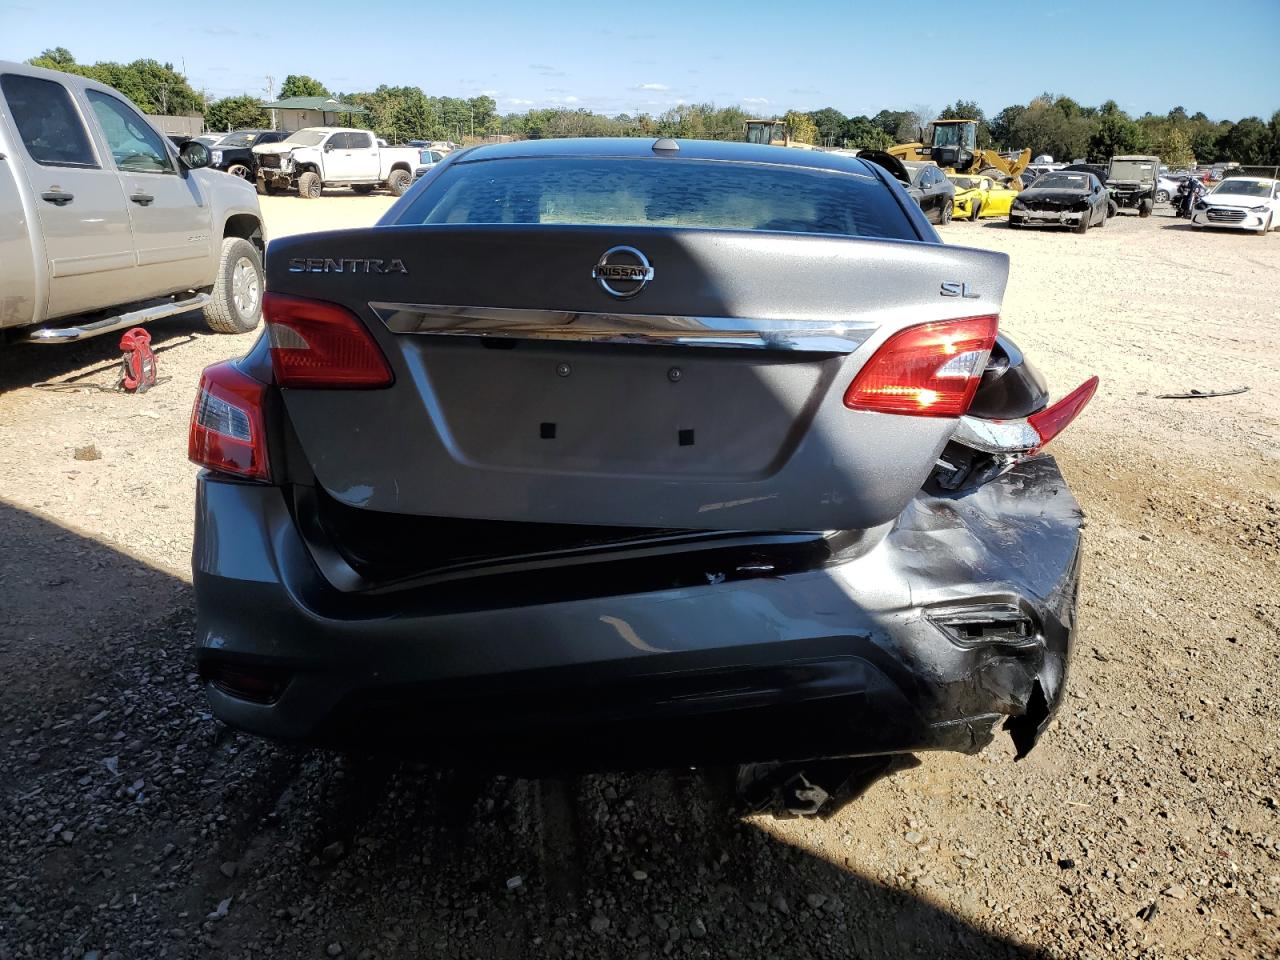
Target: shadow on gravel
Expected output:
[133,824]
[22,364]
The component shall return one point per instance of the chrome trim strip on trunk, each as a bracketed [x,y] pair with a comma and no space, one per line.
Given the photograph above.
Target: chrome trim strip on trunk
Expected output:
[656,329]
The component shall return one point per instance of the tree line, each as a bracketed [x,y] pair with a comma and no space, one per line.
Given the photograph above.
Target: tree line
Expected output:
[1050,124]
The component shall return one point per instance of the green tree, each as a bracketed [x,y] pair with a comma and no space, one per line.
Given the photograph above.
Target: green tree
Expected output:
[155,87]
[58,58]
[800,127]
[236,113]
[1114,135]
[1248,141]
[1174,149]
[830,124]
[1003,123]
[864,133]
[301,85]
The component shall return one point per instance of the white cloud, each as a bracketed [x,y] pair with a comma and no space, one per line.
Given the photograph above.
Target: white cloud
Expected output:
[488,93]
[756,101]
[517,102]
[572,99]
[653,86]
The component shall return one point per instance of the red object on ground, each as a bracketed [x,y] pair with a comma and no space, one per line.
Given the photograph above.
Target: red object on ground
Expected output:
[138,364]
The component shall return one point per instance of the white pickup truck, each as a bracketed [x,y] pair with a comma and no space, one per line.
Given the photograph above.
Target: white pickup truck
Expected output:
[105,225]
[317,157]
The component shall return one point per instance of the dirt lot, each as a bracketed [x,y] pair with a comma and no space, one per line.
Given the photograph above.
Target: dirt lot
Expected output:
[1145,824]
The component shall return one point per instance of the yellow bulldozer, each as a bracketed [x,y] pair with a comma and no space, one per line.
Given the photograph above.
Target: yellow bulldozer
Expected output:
[955,149]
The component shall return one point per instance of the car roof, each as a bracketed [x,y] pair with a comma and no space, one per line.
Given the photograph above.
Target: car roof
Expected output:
[1137,157]
[1270,180]
[644,147]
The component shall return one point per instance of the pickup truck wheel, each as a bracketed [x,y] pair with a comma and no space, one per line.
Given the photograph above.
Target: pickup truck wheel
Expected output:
[241,171]
[399,182]
[237,292]
[309,186]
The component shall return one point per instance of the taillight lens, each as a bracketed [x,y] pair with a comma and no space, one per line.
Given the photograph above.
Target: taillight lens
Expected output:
[931,370]
[319,344]
[1051,421]
[228,432]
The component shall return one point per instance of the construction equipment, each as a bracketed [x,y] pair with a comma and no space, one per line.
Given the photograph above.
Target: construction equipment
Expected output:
[955,149]
[773,133]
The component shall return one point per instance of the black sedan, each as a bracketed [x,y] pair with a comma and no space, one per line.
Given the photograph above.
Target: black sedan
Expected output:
[1063,198]
[924,182]
[930,188]
[234,154]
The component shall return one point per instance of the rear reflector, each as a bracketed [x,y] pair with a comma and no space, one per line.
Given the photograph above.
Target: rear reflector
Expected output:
[317,344]
[227,431]
[931,370]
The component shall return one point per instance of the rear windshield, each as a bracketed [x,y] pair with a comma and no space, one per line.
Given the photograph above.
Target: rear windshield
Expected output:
[1133,169]
[665,193]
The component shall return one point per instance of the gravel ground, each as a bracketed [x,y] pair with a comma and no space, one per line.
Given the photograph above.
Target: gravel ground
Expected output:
[132,825]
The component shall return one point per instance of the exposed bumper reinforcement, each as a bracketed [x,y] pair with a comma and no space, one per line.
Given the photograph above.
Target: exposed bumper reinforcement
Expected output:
[958,621]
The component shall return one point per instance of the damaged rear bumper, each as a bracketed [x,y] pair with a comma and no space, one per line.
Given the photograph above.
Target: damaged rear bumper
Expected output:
[957,621]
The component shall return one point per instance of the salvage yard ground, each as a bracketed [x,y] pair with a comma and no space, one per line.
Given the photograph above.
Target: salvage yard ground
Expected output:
[1147,823]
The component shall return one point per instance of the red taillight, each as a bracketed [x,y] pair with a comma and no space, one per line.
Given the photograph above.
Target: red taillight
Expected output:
[1051,421]
[318,344]
[227,427]
[931,370]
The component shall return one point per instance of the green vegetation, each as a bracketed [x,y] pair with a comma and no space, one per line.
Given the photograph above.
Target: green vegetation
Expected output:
[1052,124]
[155,87]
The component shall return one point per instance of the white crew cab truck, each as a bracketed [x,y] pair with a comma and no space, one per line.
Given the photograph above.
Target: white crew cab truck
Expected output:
[105,225]
[317,157]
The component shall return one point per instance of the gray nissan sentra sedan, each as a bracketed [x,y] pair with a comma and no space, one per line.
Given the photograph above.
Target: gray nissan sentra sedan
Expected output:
[622,452]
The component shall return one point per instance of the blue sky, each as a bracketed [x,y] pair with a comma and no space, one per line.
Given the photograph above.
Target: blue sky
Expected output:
[768,57]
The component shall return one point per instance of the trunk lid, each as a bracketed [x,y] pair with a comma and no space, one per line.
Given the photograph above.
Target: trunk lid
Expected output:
[711,399]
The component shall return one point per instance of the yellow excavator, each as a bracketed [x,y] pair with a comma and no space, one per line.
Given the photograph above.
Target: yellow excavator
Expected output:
[955,149]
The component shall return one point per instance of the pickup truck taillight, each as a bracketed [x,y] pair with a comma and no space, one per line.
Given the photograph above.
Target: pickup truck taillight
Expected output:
[321,345]
[930,370]
[228,431]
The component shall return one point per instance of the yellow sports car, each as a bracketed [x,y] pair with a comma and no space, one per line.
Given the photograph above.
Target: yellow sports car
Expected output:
[980,197]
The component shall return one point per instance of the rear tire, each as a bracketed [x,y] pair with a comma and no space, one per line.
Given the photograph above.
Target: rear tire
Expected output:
[1162,196]
[309,186]
[237,292]
[1145,207]
[398,182]
[240,170]
[265,189]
